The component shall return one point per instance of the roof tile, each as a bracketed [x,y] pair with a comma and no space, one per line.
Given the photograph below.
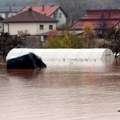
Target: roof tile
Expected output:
[29,16]
[43,9]
[110,17]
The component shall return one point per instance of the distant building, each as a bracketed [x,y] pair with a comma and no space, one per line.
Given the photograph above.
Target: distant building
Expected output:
[101,20]
[9,11]
[53,11]
[29,22]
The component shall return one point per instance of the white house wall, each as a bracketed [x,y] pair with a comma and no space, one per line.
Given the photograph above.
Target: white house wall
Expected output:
[32,28]
[61,19]
[46,27]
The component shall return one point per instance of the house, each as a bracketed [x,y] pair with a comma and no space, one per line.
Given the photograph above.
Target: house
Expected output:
[29,22]
[53,11]
[1,24]
[8,11]
[102,20]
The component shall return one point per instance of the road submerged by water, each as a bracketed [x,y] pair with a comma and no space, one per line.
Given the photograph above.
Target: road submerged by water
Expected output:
[60,93]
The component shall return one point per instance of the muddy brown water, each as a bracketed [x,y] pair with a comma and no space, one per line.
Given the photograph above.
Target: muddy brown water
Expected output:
[61,93]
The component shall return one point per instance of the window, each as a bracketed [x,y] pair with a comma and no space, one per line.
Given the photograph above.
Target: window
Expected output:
[60,15]
[41,27]
[50,27]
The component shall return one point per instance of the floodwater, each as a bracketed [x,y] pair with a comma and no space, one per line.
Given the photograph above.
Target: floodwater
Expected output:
[61,93]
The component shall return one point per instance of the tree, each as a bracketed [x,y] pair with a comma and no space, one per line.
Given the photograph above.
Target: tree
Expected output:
[89,35]
[63,40]
[54,39]
[115,40]
[112,40]
[4,39]
[7,42]
[71,40]
[73,9]
[103,25]
[99,4]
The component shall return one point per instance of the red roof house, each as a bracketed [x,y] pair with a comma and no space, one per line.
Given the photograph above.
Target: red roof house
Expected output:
[29,16]
[100,19]
[31,21]
[53,11]
[46,10]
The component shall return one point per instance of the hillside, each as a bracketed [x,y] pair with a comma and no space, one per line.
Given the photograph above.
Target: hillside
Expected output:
[13,2]
[74,8]
[89,4]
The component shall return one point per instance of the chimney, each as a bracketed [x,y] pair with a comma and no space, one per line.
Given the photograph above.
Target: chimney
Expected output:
[51,5]
[29,9]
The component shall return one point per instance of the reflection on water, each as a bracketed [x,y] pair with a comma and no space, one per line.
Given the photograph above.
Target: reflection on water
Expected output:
[60,93]
[24,74]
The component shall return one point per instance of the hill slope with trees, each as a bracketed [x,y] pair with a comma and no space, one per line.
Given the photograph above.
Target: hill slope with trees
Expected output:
[74,8]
